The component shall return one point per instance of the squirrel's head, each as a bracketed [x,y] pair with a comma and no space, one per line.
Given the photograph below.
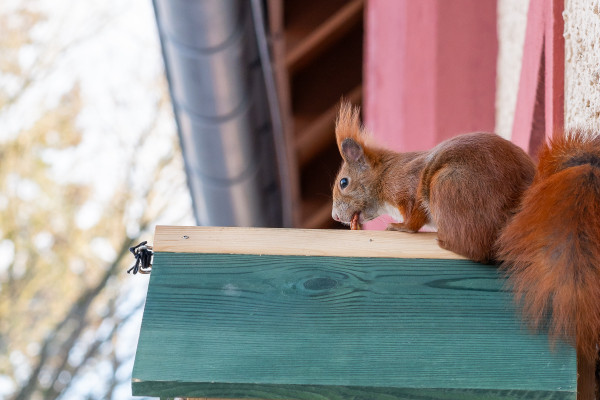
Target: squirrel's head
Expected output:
[355,189]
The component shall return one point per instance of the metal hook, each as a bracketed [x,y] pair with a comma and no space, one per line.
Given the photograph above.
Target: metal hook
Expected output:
[143,258]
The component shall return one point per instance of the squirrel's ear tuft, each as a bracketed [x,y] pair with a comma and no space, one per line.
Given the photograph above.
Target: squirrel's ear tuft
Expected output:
[347,124]
[352,152]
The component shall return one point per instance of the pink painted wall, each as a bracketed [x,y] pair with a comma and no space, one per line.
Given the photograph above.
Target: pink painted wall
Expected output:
[539,113]
[430,71]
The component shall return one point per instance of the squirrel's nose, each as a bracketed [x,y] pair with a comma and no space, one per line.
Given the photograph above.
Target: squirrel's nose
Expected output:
[335,216]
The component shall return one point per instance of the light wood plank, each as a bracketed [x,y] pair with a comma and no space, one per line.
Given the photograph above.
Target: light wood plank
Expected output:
[305,242]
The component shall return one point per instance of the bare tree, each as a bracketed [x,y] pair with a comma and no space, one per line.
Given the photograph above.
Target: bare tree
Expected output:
[66,305]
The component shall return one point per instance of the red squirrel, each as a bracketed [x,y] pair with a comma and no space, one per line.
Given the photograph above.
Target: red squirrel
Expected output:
[466,187]
[489,204]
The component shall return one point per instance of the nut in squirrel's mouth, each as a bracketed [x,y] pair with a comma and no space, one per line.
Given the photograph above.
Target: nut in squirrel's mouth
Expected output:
[355,224]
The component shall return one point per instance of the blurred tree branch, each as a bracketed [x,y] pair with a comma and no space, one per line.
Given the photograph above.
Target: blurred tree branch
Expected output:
[57,293]
[56,346]
[71,327]
[45,61]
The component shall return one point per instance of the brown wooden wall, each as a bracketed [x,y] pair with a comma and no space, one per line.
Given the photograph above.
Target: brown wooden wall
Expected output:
[318,56]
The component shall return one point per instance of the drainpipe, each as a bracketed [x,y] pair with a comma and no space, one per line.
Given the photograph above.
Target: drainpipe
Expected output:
[225,117]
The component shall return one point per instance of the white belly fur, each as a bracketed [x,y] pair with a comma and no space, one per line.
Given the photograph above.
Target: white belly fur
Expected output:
[392,211]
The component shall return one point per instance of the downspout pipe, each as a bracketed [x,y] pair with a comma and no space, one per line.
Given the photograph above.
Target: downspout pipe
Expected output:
[221,107]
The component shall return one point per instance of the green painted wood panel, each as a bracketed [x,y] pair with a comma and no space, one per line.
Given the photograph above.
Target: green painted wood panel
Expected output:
[250,326]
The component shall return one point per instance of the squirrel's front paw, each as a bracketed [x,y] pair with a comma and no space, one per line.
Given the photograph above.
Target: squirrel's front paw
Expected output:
[399,227]
[396,227]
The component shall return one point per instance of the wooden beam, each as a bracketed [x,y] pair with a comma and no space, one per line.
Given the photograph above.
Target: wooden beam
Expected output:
[539,111]
[278,53]
[554,53]
[304,242]
[316,136]
[324,35]
[528,97]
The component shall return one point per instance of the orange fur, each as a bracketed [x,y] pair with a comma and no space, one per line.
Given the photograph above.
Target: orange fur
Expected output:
[348,126]
[467,186]
[551,248]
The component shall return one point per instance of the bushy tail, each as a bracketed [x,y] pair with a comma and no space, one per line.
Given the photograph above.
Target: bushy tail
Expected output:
[551,247]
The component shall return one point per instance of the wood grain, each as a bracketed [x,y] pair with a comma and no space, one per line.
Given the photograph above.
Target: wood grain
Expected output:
[305,242]
[313,392]
[297,327]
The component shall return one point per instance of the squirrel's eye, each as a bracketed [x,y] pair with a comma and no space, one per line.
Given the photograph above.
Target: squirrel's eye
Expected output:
[343,183]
